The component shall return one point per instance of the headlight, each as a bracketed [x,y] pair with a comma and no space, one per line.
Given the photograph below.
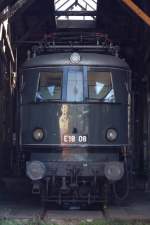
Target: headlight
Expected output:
[111,135]
[35,170]
[114,171]
[38,134]
[75,58]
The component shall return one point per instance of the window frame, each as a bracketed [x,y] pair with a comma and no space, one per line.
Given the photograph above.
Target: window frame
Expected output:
[83,69]
[64,70]
[101,70]
[38,87]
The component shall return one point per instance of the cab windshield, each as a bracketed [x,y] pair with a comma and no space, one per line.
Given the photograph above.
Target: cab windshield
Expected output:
[75,84]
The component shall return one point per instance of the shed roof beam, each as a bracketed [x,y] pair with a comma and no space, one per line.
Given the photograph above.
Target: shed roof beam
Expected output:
[62,5]
[76,24]
[14,9]
[137,10]
[75,13]
[67,9]
[3,4]
[33,27]
[57,1]
[94,1]
[88,4]
[3,30]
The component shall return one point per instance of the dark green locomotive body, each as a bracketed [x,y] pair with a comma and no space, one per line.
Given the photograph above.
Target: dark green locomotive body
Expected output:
[74,116]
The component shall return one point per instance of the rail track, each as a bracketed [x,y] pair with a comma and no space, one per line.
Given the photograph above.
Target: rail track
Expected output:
[27,207]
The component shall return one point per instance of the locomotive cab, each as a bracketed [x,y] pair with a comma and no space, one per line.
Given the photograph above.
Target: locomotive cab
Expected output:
[74,124]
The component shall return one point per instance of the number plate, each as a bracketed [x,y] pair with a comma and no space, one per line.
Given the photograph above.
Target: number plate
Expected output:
[72,139]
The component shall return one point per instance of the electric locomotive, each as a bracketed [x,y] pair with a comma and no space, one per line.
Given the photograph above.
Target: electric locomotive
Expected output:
[73,134]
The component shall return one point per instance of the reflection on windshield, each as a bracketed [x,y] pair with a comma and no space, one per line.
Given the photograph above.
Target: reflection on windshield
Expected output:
[51,90]
[100,86]
[49,86]
[67,83]
[75,86]
[110,97]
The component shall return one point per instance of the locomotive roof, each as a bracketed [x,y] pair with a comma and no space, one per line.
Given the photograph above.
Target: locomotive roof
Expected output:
[92,59]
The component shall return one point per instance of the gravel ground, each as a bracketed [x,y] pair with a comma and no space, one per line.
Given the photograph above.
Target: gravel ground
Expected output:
[75,222]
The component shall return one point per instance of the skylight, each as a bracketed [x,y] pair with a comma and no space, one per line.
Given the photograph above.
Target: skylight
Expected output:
[75,6]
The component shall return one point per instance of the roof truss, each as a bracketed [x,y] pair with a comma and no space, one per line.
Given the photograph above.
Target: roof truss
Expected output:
[75,8]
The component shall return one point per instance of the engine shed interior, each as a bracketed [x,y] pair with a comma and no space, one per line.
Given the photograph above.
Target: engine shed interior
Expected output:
[55,24]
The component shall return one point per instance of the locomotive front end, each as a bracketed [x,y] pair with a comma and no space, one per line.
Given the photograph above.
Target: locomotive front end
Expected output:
[74,124]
